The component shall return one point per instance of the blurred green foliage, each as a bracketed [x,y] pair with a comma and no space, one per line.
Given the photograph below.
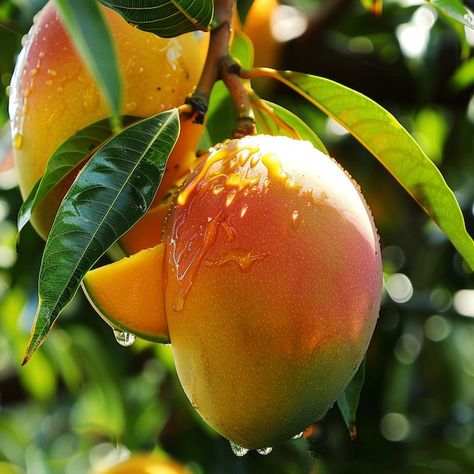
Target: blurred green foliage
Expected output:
[84,400]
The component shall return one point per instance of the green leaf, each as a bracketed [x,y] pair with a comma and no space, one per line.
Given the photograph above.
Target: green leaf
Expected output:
[221,116]
[85,23]
[464,76]
[242,49]
[392,145]
[455,10]
[65,159]
[273,119]
[166,18]
[348,400]
[112,192]
[243,7]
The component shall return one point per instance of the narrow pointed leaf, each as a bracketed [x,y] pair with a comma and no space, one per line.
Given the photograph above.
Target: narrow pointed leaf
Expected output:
[273,119]
[456,10]
[242,49]
[393,146]
[65,159]
[86,24]
[348,400]
[112,192]
[166,18]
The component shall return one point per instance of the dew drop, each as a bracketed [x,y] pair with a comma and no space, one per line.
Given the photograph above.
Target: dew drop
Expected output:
[18,141]
[230,197]
[297,436]
[295,219]
[469,18]
[125,339]
[264,451]
[238,450]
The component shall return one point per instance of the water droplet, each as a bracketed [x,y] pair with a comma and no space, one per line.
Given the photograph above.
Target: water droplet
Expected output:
[18,141]
[297,436]
[217,189]
[243,210]
[230,197]
[264,451]
[24,40]
[178,303]
[125,339]
[238,450]
[52,72]
[469,18]
[295,219]
[7,91]
[90,100]
[131,106]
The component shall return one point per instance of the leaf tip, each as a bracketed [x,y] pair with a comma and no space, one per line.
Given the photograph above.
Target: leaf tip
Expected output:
[353,431]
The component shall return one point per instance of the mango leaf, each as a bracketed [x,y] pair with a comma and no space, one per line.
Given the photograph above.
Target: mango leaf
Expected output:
[464,76]
[242,49]
[86,25]
[392,145]
[273,119]
[112,192]
[456,10]
[243,7]
[65,159]
[166,18]
[348,400]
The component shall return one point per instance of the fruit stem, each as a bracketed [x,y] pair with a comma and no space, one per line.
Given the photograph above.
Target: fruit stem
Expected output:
[220,65]
[240,97]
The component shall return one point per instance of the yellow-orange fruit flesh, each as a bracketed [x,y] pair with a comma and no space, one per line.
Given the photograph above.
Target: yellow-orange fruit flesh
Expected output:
[53,96]
[129,294]
[145,464]
[272,287]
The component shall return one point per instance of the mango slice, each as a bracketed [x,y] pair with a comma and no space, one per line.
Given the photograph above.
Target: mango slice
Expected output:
[128,294]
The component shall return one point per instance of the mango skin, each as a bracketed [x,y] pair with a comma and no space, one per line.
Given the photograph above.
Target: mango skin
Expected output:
[142,463]
[272,283]
[53,96]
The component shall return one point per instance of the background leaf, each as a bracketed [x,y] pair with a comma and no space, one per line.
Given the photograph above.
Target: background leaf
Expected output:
[91,36]
[464,76]
[166,18]
[348,401]
[114,189]
[242,49]
[393,146]
[456,10]
[66,158]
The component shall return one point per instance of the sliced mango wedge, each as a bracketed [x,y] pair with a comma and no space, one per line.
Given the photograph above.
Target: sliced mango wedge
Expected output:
[128,294]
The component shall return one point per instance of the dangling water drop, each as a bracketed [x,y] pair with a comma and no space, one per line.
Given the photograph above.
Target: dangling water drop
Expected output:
[297,436]
[238,450]
[125,339]
[18,141]
[264,451]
